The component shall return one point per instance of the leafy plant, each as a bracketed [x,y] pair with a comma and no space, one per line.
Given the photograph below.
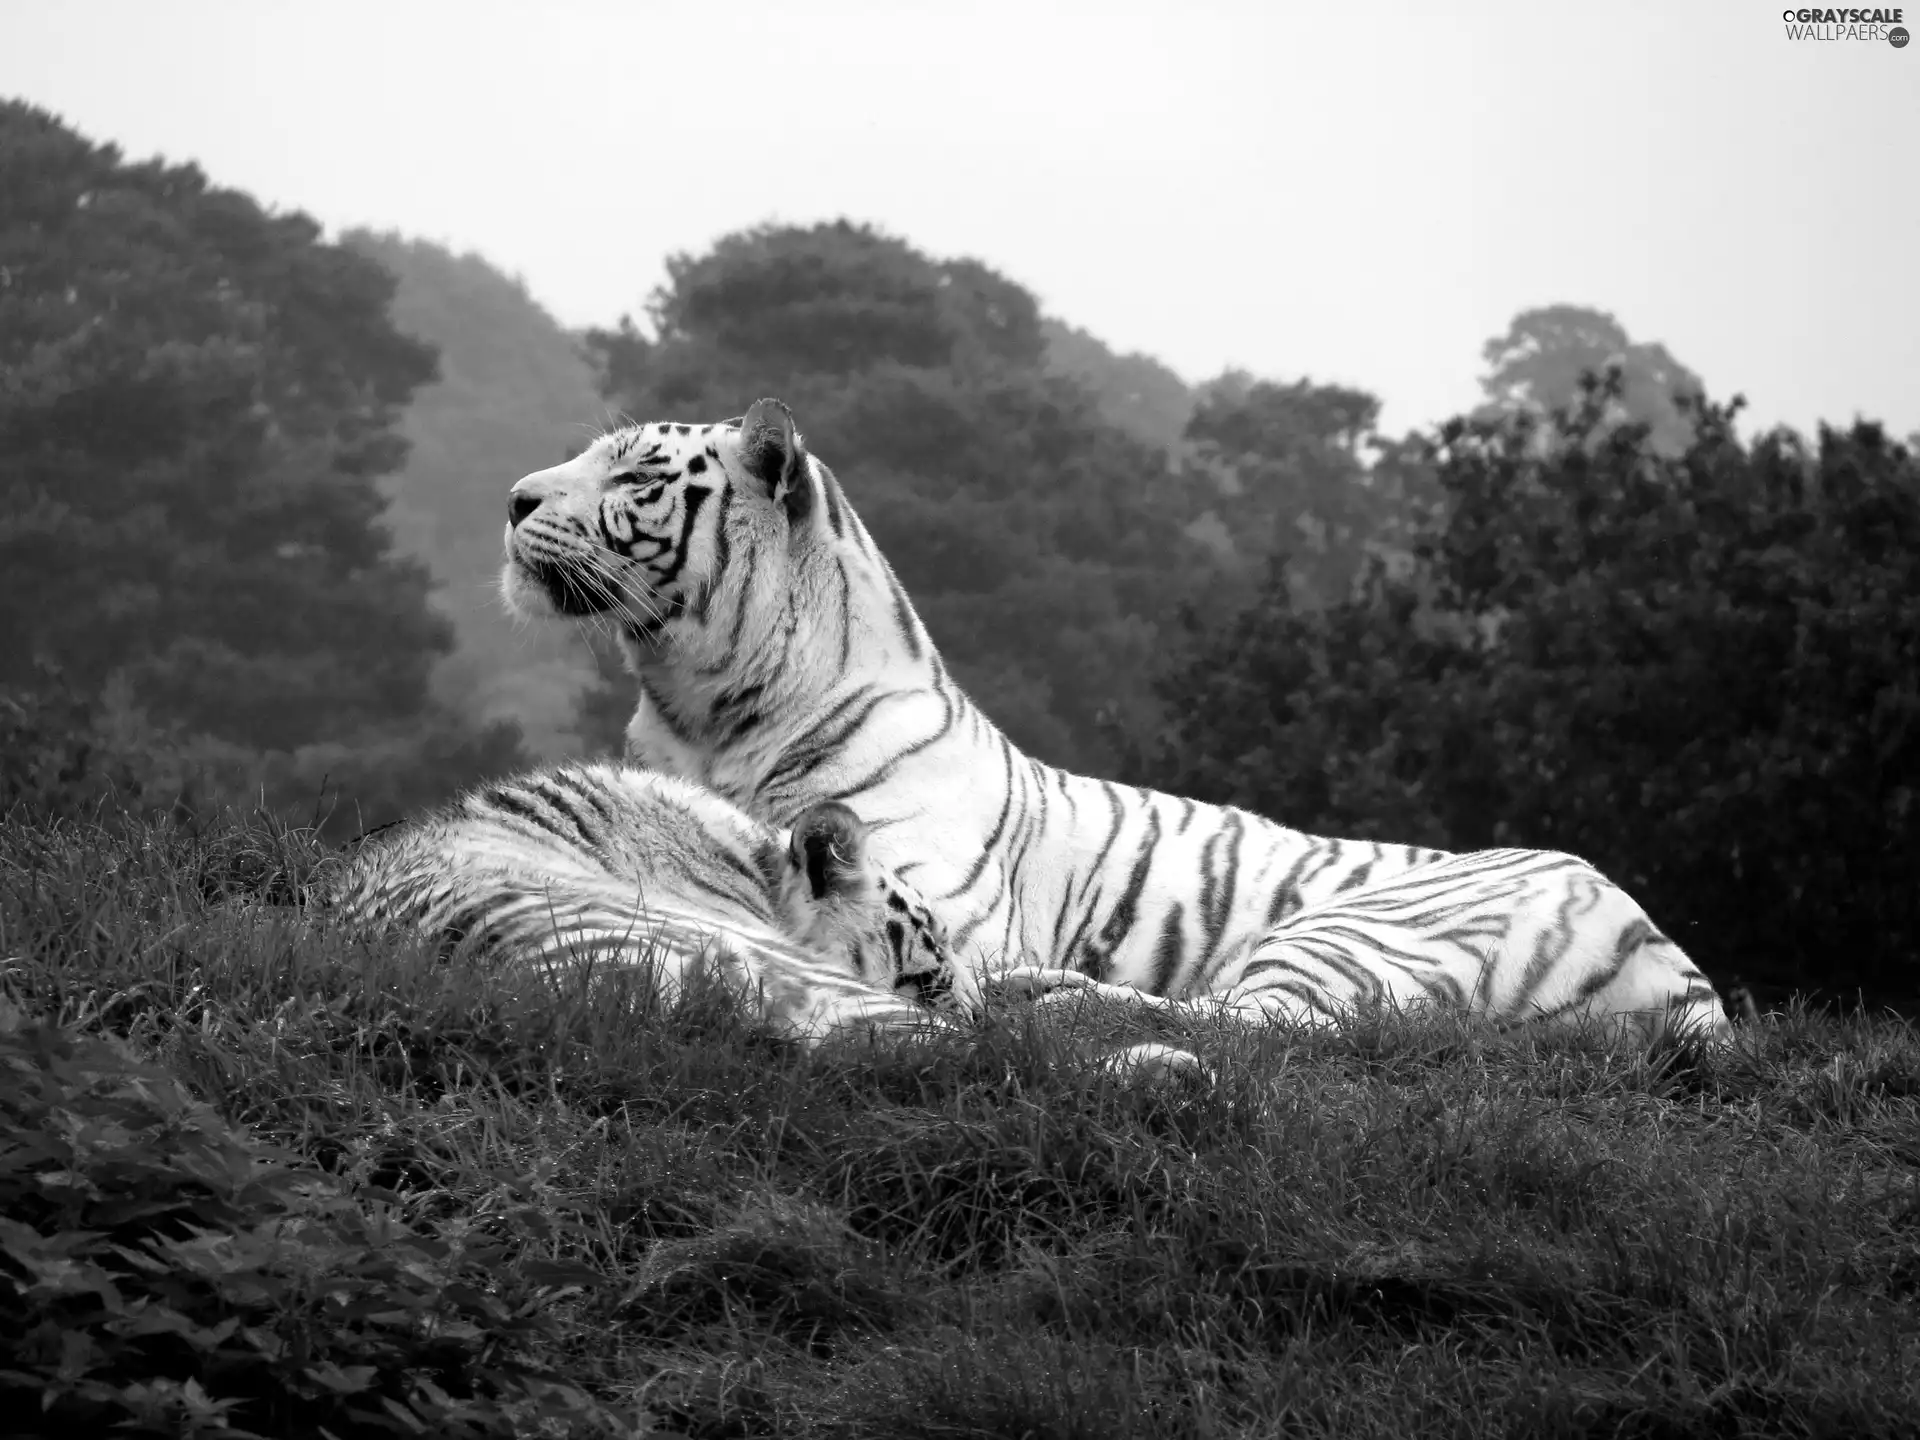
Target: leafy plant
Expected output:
[164,1273]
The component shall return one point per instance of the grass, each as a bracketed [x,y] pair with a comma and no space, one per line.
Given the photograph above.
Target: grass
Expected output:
[260,1175]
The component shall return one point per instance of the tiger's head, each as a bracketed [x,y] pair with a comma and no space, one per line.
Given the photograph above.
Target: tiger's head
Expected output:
[844,902]
[658,531]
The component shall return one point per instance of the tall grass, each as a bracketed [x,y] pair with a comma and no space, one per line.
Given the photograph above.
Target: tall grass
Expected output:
[262,1174]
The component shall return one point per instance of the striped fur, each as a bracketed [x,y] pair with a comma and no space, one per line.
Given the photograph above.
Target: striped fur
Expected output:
[1502,933]
[612,866]
[780,662]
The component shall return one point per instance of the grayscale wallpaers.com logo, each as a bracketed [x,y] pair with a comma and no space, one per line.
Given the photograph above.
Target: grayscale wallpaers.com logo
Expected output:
[1823,24]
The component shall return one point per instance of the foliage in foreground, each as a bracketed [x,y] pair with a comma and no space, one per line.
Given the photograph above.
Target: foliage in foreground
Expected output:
[172,1274]
[505,1195]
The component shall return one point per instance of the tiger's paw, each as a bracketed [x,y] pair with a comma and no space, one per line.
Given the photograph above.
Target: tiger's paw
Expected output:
[1086,989]
[1153,1061]
[1038,981]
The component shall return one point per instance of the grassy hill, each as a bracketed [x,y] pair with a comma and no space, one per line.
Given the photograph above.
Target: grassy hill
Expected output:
[261,1173]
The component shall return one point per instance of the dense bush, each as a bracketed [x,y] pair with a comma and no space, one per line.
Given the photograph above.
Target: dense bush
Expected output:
[62,750]
[1700,671]
[163,1273]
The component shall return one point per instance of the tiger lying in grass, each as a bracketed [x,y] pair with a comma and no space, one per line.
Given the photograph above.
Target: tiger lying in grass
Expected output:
[780,662]
[614,866]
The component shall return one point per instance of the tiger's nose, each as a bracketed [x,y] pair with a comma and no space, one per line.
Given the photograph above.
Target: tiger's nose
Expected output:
[520,506]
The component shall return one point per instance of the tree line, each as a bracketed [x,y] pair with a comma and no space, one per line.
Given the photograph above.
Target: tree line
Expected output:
[200,398]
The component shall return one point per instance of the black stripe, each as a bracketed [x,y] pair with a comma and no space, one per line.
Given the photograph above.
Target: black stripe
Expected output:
[835,501]
[1167,956]
[884,771]
[1079,953]
[1032,826]
[1549,953]
[1286,895]
[696,496]
[501,798]
[1120,920]
[986,854]
[1070,826]
[1219,886]
[1362,983]
[903,614]
[588,791]
[664,710]
[1357,877]
[740,700]
[830,735]
[753,899]
[744,597]
[557,796]
[1307,988]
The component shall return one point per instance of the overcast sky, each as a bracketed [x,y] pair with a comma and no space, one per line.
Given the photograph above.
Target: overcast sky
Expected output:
[1355,193]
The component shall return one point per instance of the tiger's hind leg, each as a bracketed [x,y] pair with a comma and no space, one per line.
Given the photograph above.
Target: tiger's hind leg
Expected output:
[1631,982]
[1515,937]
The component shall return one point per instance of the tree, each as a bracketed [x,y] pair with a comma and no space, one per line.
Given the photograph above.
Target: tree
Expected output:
[1040,542]
[1538,364]
[1697,671]
[1294,478]
[1135,392]
[200,399]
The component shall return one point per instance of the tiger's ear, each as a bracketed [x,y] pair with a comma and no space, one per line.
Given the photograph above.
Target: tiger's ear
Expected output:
[830,845]
[771,452]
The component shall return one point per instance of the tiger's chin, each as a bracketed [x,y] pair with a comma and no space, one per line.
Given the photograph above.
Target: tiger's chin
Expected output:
[536,592]
[531,592]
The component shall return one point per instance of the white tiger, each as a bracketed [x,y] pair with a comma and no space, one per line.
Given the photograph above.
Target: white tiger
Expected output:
[780,662]
[612,866]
